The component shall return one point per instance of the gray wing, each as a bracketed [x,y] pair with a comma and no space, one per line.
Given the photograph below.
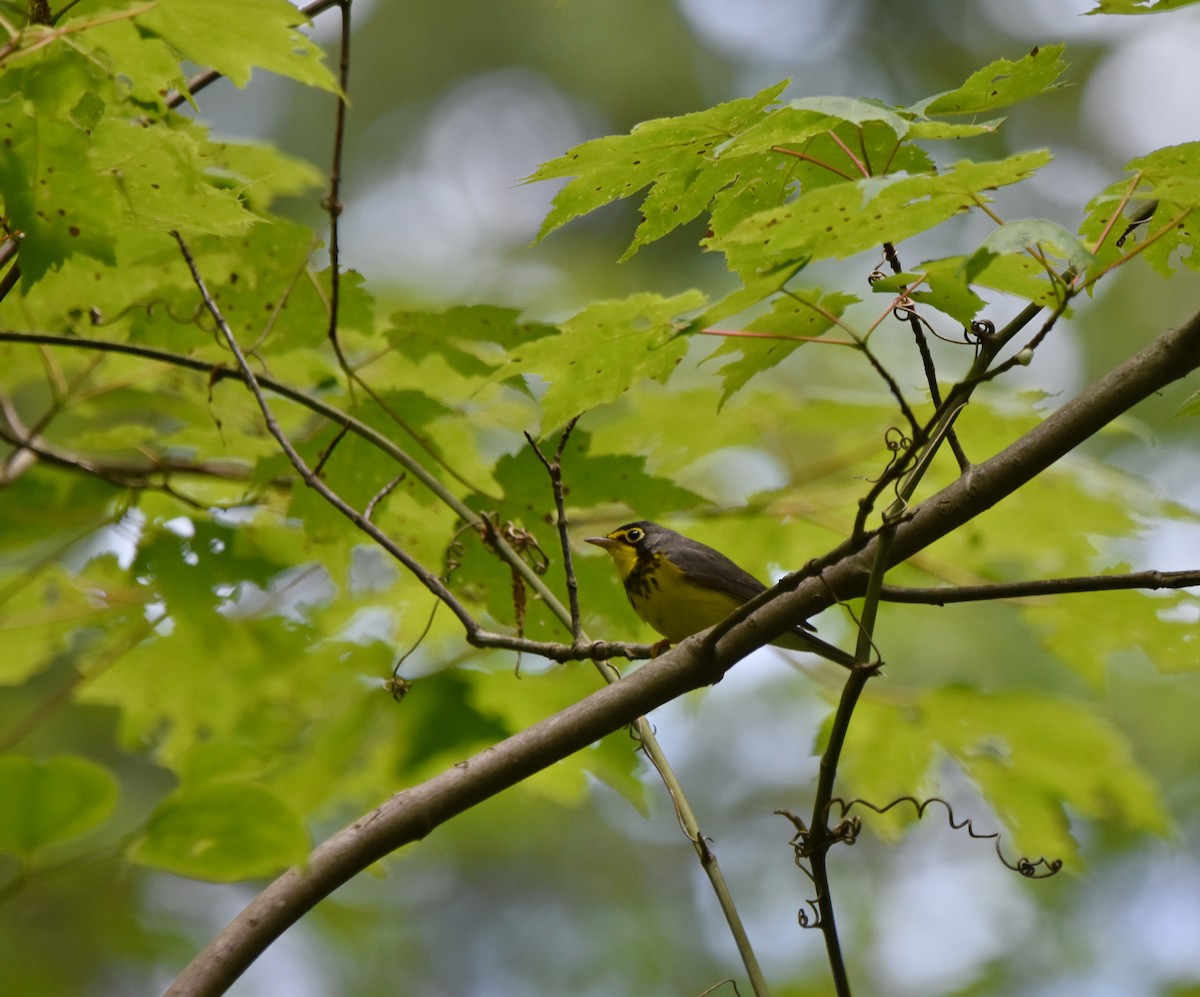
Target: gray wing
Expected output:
[709,568]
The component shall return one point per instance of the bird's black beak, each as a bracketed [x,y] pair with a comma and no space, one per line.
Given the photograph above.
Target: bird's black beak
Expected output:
[604,542]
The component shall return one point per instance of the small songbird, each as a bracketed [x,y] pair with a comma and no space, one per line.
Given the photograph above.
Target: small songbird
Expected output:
[680,586]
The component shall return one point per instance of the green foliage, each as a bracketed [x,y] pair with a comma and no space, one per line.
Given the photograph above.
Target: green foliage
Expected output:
[1001,84]
[838,221]
[676,157]
[222,832]
[793,318]
[602,350]
[232,37]
[50,801]
[161,557]
[1035,759]
[1138,6]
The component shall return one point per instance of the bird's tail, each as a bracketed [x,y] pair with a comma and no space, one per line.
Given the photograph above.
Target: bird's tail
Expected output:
[802,640]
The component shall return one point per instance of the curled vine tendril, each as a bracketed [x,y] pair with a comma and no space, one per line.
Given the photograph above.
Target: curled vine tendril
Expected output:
[805,844]
[198,317]
[451,562]
[896,443]
[980,331]
[1041,868]
[904,309]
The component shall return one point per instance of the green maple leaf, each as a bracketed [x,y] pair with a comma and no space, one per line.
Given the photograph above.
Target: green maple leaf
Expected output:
[233,36]
[603,350]
[847,218]
[677,158]
[1001,83]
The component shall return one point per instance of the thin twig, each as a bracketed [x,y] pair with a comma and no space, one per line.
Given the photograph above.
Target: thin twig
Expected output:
[554,469]
[130,477]
[943,417]
[334,208]
[690,826]
[931,381]
[332,202]
[820,836]
[11,275]
[384,492]
[218,371]
[944,595]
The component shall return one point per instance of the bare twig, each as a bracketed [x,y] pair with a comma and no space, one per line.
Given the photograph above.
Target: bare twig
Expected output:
[945,414]
[118,474]
[931,381]
[333,207]
[820,836]
[383,493]
[332,201]
[12,274]
[943,595]
[554,469]
[595,651]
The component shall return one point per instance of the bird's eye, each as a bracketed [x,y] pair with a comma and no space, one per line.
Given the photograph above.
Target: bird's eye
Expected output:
[634,535]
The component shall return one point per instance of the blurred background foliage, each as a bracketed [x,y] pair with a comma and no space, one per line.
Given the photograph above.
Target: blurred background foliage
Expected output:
[563,886]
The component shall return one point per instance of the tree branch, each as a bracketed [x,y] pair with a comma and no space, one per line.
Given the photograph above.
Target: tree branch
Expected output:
[414,813]
[944,595]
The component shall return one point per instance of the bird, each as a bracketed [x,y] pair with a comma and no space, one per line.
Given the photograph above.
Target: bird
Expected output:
[680,586]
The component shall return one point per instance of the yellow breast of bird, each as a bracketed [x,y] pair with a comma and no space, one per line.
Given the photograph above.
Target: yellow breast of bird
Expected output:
[671,603]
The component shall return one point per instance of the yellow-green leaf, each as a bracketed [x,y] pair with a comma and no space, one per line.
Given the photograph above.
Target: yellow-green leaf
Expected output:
[222,832]
[43,802]
[233,36]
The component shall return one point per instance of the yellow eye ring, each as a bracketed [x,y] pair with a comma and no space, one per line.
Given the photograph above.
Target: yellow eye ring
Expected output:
[634,535]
